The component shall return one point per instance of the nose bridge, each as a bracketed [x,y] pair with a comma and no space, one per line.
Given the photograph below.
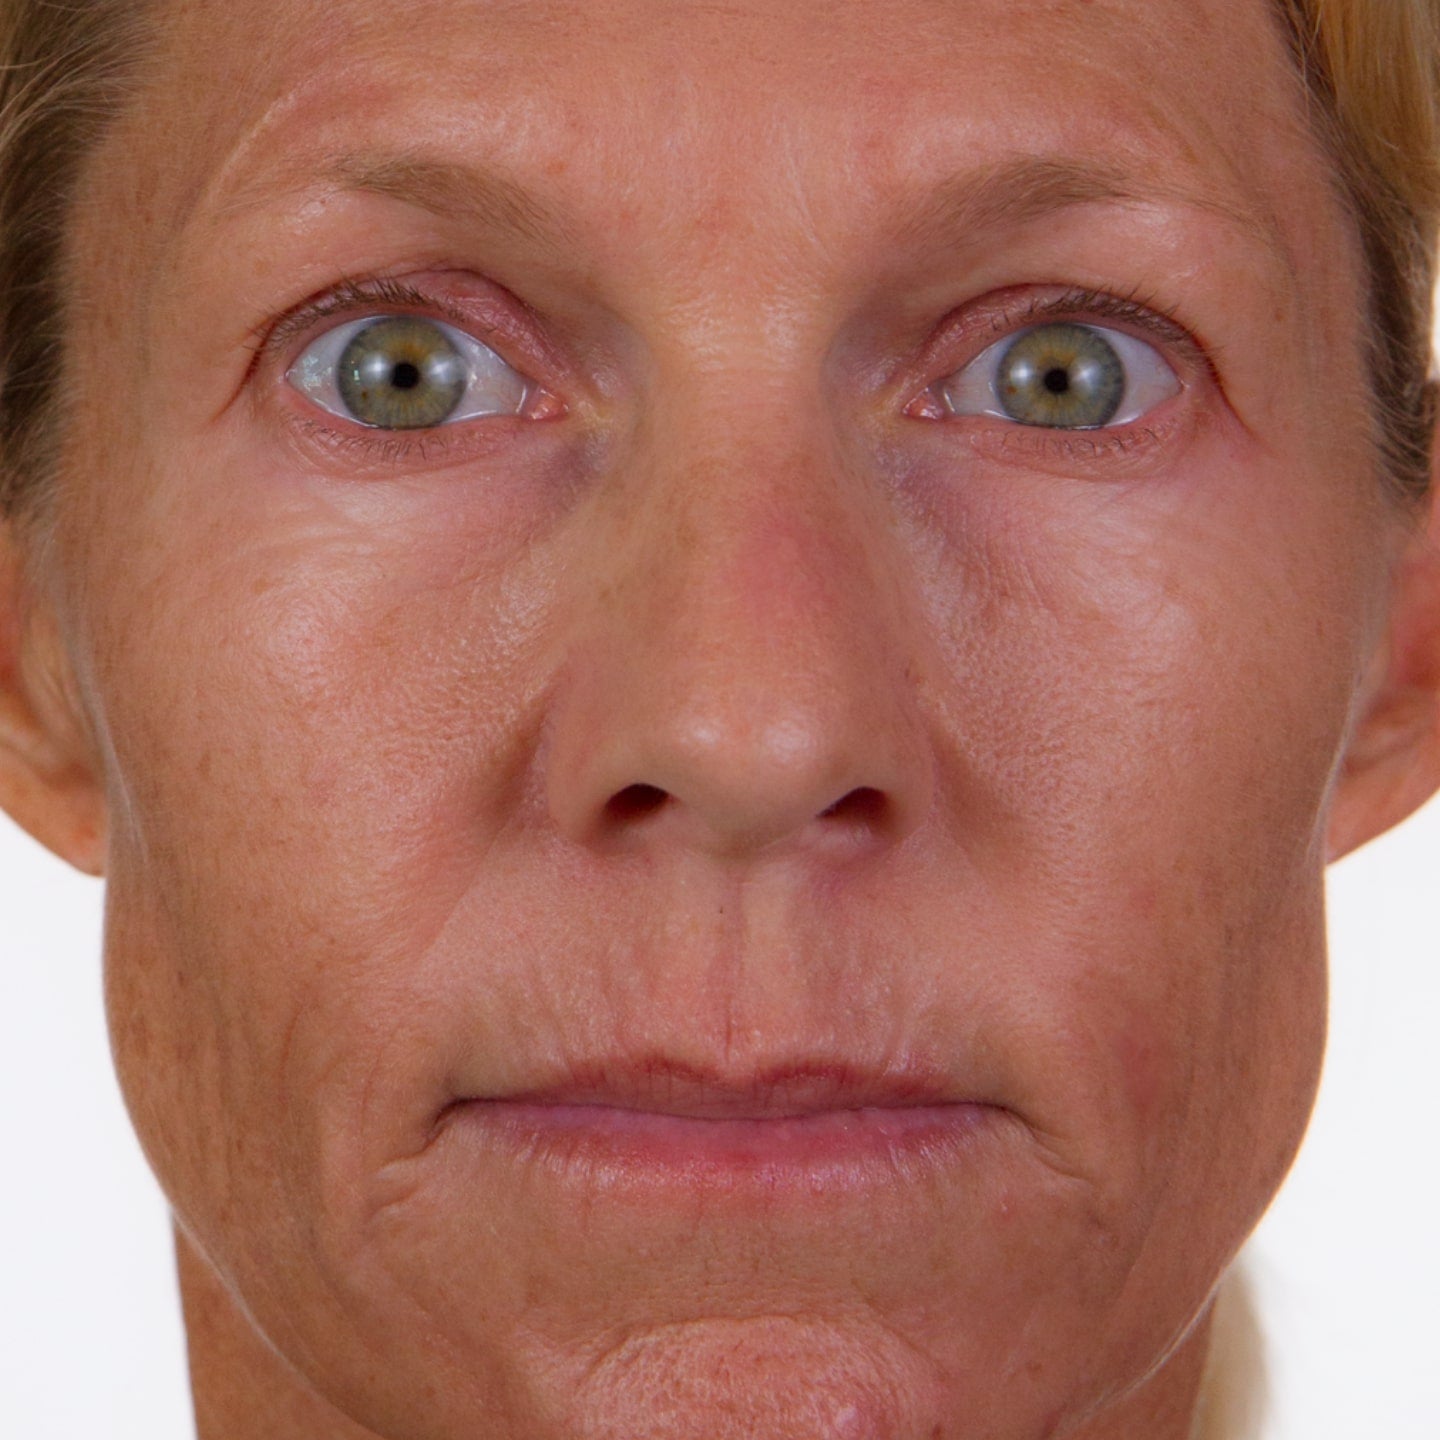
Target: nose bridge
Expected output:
[742,681]
[754,532]
[759,513]
[754,596]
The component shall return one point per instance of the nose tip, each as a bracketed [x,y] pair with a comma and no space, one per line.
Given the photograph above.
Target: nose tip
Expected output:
[746,690]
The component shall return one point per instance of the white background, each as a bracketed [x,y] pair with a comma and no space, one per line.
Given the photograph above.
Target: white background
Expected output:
[1348,1261]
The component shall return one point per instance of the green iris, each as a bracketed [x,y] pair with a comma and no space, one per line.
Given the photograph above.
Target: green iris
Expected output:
[1065,376]
[401,373]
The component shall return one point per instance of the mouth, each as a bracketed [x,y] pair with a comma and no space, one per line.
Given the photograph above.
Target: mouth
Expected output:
[662,1125]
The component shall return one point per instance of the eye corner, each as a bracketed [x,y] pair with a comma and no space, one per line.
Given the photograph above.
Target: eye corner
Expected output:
[543,406]
[927,405]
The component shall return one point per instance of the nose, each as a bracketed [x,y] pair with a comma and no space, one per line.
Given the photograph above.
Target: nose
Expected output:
[740,679]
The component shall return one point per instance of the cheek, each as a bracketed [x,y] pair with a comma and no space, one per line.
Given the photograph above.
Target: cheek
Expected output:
[1146,690]
[313,724]
[333,871]
[323,726]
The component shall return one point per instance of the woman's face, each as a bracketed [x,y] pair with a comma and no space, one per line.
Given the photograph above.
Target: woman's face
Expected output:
[732,885]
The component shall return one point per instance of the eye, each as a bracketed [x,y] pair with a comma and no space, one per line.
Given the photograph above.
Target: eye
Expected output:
[406,372]
[1062,375]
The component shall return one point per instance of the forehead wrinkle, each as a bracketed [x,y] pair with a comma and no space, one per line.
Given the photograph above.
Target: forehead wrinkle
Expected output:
[1010,193]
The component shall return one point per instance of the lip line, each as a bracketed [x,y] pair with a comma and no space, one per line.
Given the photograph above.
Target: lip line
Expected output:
[663,1087]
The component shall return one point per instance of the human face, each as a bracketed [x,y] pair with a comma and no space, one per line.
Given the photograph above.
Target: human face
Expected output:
[727,898]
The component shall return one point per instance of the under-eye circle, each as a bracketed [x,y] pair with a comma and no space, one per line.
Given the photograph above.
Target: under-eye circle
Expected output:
[406,372]
[1064,376]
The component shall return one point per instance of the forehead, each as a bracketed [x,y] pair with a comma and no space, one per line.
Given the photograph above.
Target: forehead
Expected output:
[645,118]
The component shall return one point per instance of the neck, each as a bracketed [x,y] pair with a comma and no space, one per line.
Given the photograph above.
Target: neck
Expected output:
[244,1390]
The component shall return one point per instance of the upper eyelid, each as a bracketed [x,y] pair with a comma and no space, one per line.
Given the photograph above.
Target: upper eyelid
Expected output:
[1147,319]
[1101,305]
[353,294]
[354,298]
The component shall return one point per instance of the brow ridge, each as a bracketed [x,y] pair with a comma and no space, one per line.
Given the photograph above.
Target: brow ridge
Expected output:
[1016,193]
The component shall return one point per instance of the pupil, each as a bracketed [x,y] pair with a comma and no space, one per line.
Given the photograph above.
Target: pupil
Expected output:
[1057,381]
[406,376]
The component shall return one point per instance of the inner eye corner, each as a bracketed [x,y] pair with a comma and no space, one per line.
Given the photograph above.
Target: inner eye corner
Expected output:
[929,404]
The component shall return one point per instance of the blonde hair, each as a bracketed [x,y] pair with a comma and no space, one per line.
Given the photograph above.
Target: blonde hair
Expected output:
[1370,69]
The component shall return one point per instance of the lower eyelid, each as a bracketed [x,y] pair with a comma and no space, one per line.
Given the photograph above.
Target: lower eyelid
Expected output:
[363,450]
[1108,454]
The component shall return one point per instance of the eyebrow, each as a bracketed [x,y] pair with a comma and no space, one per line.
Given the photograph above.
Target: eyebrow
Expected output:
[1017,193]
[444,188]
[441,187]
[1009,195]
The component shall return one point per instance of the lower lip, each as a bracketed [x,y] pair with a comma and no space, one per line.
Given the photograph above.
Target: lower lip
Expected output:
[849,1148]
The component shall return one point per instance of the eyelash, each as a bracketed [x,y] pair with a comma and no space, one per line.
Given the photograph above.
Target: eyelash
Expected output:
[353,297]
[354,294]
[970,333]
[965,334]
[1147,315]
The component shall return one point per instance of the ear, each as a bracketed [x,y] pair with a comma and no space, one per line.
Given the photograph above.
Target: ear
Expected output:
[49,780]
[1392,763]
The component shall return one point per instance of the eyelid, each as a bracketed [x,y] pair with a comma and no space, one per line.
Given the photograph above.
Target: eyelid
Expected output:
[350,298]
[965,334]
[973,389]
[485,312]
[314,373]
[454,296]
[1088,306]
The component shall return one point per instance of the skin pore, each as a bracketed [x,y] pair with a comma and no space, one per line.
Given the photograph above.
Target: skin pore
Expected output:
[731,733]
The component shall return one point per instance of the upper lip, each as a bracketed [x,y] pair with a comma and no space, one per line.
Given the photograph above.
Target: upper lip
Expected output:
[665,1086]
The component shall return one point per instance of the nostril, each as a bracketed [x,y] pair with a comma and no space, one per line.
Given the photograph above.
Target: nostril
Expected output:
[864,807]
[633,803]
[864,812]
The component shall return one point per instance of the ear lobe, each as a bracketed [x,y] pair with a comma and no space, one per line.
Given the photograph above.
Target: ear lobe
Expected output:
[1392,763]
[48,779]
